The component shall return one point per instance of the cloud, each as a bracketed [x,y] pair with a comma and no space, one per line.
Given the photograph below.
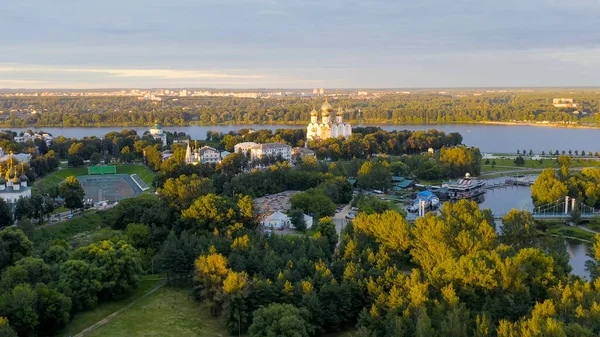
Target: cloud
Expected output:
[165,74]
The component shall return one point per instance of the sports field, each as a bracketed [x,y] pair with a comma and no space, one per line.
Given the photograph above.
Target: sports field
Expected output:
[57,177]
[111,188]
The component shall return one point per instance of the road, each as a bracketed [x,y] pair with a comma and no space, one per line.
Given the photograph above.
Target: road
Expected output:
[57,218]
[340,220]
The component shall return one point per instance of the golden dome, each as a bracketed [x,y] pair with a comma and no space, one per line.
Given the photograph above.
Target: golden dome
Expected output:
[326,107]
[340,112]
[314,112]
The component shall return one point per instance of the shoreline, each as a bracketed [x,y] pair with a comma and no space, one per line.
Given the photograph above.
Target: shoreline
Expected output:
[297,124]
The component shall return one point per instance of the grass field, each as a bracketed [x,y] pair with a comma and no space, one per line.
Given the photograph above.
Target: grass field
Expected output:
[60,175]
[85,319]
[170,312]
[68,230]
[573,232]
[167,312]
[507,164]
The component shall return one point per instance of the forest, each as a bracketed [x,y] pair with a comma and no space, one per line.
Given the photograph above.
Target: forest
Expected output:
[414,108]
[447,274]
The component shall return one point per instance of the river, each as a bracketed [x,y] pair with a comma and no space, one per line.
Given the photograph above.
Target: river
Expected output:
[502,200]
[489,138]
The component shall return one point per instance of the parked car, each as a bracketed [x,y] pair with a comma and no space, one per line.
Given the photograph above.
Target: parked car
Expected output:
[355,209]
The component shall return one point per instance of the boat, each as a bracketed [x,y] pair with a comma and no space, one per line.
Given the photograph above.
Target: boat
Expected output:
[430,199]
[519,181]
[465,188]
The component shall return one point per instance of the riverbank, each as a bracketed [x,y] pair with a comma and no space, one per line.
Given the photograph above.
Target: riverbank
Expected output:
[302,123]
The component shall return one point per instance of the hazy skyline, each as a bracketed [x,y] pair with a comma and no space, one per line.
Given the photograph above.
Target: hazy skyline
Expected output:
[299,44]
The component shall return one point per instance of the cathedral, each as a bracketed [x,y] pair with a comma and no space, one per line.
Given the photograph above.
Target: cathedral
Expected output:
[330,126]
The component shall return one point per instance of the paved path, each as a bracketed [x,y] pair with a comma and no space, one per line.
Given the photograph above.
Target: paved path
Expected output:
[118,312]
[340,220]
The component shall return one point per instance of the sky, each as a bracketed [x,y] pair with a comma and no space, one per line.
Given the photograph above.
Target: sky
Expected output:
[238,44]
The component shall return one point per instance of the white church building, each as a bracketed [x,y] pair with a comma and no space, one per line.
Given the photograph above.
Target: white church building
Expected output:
[330,125]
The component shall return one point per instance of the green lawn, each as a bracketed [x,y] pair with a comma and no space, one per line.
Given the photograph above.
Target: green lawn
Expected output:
[85,319]
[573,232]
[141,170]
[68,230]
[507,164]
[60,175]
[167,312]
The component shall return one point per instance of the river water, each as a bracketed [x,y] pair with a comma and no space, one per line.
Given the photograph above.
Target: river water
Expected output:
[489,138]
[502,200]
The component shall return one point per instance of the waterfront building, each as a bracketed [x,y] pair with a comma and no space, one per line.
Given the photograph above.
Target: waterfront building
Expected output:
[330,125]
[157,133]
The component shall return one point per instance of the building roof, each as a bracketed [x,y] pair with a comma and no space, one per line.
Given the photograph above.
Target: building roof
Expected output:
[157,126]
[204,149]
[267,146]
[276,216]
[397,178]
[326,108]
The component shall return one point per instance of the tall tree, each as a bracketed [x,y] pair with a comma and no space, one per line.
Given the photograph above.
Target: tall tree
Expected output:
[73,193]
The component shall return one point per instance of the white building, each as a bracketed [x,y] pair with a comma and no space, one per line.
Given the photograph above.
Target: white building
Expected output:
[20,157]
[203,155]
[308,221]
[330,126]
[271,150]
[258,151]
[244,147]
[302,152]
[157,133]
[564,103]
[12,187]
[277,220]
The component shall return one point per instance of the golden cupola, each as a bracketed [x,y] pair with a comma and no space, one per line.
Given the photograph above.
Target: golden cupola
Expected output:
[326,108]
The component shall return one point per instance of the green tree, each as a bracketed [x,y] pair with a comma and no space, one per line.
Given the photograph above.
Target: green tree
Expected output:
[519,161]
[180,193]
[327,229]
[81,282]
[23,208]
[280,320]
[547,188]
[375,175]
[297,219]
[6,216]
[19,306]
[313,202]
[518,229]
[139,235]
[73,193]
[14,245]
[5,328]
[118,265]
[53,309]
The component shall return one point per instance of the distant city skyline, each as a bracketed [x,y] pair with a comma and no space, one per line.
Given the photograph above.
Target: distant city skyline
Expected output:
[243,44]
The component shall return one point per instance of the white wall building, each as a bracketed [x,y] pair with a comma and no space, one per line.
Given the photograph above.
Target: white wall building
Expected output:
[271,150]
[203,155]
[330,126]
[157,133]
[308,221]
[277,220]
[244,147]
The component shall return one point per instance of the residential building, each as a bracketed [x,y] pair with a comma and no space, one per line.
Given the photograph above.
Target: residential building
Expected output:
[271,150]
[203,155]
[302,152]
[564,103]
[277,220]
[244,147]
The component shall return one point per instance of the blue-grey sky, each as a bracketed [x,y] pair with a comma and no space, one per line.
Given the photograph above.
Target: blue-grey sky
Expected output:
[299,43]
